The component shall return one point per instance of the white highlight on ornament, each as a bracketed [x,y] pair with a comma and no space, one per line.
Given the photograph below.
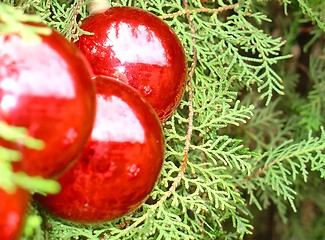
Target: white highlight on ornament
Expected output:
[146,46]
[116,122]
[8,102]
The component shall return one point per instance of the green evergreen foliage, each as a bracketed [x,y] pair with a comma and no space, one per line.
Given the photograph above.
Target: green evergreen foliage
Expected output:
[9,179]
[248,138]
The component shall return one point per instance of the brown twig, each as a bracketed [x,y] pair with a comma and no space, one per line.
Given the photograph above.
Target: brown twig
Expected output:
[76,12]
[188,12]
[190,118]
[256,174]
[263,169]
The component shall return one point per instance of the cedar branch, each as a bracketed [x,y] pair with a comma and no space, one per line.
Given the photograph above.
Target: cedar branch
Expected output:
[265,168]
[188,12]
[188,134]
[190,115]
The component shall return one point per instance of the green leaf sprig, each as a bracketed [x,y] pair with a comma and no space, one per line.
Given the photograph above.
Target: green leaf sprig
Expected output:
[13,21]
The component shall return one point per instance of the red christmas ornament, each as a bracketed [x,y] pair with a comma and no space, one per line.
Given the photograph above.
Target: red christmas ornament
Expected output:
[46,87]
[140,49]
[120,164]
[13,209]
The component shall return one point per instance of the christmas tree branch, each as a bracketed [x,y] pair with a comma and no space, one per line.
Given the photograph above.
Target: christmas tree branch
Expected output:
[73,27]
[73,19]
[190,115]
[14,21]
[177,180]
[288,151]
[19,134]
[9,179]
[188,11]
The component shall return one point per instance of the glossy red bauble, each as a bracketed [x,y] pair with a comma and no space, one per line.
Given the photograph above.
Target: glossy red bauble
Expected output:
[46,87]
[13,208]
[120,164]
[140,49]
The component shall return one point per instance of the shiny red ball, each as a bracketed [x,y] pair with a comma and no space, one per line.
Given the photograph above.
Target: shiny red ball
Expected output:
[46,87]
[120,164]
[140,49]
[13,210]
